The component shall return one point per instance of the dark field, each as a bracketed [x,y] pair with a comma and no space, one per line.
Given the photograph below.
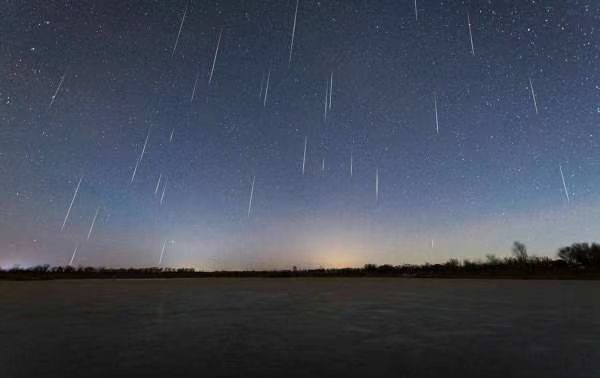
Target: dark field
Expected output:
[308,327]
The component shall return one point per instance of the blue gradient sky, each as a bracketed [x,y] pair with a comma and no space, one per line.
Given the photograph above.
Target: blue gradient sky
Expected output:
[489,177]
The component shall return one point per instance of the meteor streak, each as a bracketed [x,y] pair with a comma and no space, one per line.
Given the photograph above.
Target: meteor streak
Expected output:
[470,34]
[180,27]
[293,34]
[93,222]
[251,196]
[533,96]
[60,83]
[71,204]
[73,255]
[212,70]
[304,155]
[139,160]
[563,182]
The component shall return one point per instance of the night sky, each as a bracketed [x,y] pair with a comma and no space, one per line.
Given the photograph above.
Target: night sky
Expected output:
[85,82]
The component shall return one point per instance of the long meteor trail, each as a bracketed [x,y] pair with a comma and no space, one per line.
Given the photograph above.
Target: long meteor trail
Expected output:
[437,123]
[180,28]
[304,155]
[93,222]
[533,95]
[470,34]
[251,196]
[73,255]
[71,204]
[562,176]
[330,88]
[326,100]
[267,89]
[293,33]
[212,70]
[157,184]
[377,184]
[139,160]
[60,83]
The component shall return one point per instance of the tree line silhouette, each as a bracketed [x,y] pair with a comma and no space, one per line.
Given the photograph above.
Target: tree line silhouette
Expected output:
[579,260]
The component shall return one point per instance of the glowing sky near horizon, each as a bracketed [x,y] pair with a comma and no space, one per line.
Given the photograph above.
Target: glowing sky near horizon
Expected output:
[84,81]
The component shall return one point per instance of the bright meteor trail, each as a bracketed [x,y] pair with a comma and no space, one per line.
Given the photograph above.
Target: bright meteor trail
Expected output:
[71,204]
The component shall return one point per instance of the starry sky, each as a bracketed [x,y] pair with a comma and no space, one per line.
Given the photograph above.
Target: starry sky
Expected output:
[226,102]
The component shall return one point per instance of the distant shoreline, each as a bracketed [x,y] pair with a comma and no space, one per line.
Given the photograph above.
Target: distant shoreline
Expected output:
[580,261]
[325,273]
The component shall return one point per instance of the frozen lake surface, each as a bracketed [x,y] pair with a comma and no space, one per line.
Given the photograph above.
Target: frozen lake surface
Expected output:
[321,327]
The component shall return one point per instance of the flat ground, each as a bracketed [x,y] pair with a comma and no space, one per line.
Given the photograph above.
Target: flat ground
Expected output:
[309,327]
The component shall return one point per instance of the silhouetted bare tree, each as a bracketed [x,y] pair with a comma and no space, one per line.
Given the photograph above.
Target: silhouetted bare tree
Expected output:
[519,252]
